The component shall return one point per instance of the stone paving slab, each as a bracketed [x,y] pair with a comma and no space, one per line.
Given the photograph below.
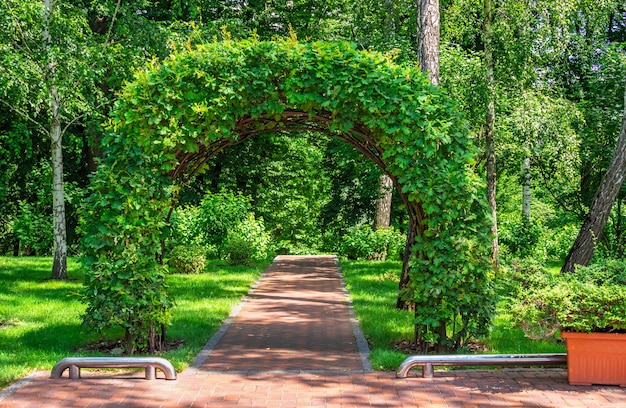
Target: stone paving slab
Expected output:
[258,376]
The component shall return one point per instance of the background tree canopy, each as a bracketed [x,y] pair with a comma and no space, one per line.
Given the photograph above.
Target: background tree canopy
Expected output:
[550,49]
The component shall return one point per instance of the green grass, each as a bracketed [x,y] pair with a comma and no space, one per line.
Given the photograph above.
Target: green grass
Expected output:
[40,320]
[373,288]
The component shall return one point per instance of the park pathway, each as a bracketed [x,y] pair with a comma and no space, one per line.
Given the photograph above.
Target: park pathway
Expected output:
[296,319]
[294,343]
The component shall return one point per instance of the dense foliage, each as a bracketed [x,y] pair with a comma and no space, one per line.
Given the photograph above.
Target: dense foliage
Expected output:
[178,113]
[592,299]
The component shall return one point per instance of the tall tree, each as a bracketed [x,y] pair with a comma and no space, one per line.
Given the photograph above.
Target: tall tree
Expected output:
[428,35]
[59,265]
[584,247]
[41,57]
[490,119]
[385,184]
[383,204]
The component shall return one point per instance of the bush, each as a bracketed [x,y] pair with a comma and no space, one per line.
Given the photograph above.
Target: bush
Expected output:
[219,214]
[591,299]
[253,231]
[185,228]
[187,259]
[520,237]
[239,250]
[247,241]
[522,275]
[556,242]
[32,227]
[361,242]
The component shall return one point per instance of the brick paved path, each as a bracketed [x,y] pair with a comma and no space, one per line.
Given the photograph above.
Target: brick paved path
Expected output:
[296,319]
[263,359]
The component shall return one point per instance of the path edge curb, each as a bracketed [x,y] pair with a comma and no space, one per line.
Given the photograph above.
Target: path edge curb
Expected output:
[361,341]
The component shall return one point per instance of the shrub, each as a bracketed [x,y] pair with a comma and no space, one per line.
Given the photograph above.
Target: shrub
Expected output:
[520,237]
[32,227]
[247,241]
[253,231]
[220,213]
[361,242]
[557,242]
[239,250]
[591,299]
[185,228]
[522,275]
[187,259]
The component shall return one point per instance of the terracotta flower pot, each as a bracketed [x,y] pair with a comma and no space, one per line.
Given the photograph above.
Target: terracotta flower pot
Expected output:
[596,358]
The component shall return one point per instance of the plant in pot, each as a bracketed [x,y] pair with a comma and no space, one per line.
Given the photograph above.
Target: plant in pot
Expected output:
[588,306]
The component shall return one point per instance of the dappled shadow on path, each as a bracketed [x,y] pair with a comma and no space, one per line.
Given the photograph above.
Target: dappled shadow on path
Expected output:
[297,318]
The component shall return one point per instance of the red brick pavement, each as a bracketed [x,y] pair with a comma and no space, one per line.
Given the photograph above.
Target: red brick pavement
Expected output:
[295,319]
[270,364]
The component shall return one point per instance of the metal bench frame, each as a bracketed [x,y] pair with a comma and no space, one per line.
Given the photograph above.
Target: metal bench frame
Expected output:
[429,361]
[74,364]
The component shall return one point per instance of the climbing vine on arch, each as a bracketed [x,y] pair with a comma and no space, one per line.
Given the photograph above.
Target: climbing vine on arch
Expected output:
[179,113]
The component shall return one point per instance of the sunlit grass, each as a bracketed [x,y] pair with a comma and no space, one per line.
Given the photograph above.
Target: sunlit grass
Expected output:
[40,320]
[373,288]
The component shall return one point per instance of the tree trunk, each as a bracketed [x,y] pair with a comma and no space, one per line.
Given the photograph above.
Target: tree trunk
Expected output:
[618,229]
[490,120]
[526,190]
[402,303]
[585,245]
[383,204]
[428,25]
[59,265]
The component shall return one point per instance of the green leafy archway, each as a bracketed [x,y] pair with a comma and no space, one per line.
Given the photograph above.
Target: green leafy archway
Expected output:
[178,114]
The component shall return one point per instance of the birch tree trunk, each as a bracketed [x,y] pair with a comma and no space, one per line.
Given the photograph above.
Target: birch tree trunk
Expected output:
[490,119]
[59,265]
[585,245]
[383,204]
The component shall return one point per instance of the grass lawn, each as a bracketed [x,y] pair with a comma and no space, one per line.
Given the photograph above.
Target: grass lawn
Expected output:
[373,288]
[40,320]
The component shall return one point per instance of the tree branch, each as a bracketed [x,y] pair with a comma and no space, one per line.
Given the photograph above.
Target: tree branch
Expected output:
[110,30]
[25,115]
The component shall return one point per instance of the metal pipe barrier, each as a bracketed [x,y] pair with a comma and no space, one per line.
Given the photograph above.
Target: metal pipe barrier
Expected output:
[74,364]
[429,361]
